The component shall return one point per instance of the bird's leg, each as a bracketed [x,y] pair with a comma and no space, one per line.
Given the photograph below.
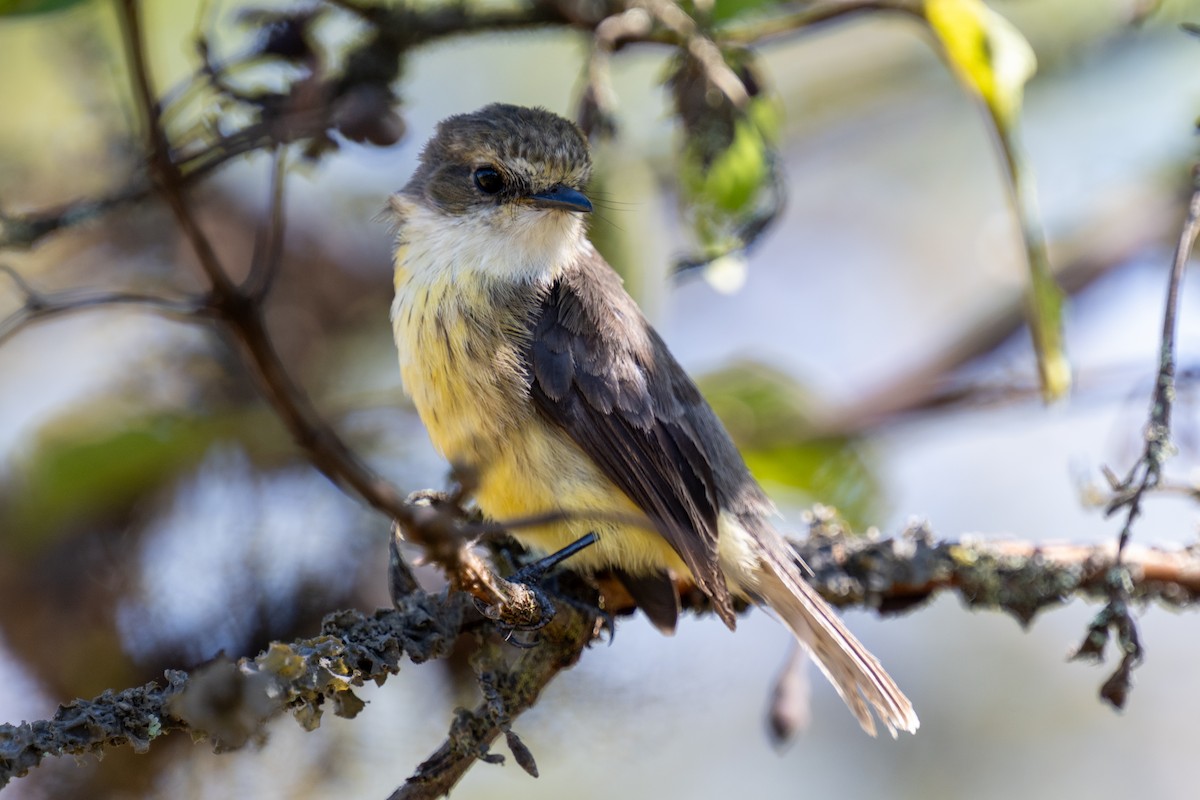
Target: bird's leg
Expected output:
[532,573]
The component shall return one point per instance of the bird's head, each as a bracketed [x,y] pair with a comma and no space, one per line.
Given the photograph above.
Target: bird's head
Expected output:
[505,176]
[504,156]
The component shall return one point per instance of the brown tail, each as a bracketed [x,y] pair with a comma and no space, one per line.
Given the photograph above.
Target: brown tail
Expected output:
[856,674]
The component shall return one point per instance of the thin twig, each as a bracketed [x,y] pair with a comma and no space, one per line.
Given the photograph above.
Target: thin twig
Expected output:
[1147,472]
[268,244]
[598,100]
[703,49]
[510,688]
[39,306]
[162,165]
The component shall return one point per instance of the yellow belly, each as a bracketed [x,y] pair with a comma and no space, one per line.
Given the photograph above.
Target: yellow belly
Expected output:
[544,471]
[468,385]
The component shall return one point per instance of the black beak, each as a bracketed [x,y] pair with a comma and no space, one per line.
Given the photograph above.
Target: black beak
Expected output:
[563,197]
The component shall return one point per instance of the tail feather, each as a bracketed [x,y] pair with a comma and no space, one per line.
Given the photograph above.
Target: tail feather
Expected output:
[856,674]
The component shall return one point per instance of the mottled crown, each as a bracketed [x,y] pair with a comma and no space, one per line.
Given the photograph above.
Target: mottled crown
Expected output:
[533,150]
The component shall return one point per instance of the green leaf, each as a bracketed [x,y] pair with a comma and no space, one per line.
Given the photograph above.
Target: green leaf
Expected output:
[735,174]
[831,472]
[769,416]
[13,8]
[760,405]
[726,10]
[725,182]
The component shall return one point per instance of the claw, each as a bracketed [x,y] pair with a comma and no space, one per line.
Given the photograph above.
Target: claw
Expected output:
[607,623]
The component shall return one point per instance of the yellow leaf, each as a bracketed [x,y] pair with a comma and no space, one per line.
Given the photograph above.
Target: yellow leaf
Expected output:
[987,53]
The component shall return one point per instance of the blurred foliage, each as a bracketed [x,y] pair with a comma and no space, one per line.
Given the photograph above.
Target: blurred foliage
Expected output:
[87,466]
[769,415]
[726,10]
[29,7]
[728,170]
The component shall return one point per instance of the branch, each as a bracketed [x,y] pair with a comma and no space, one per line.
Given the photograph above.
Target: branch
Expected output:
[510,687]
[228,703]
[406,28]
[890,575]
[39,306]
[268,246]
[242,313]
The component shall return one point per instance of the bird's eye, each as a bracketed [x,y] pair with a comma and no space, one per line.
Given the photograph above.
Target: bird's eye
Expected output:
[488,181]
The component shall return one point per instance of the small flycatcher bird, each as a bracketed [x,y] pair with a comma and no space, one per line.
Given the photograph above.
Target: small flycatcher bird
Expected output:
[529,363]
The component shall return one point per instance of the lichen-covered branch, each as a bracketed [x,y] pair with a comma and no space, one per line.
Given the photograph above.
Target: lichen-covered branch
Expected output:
[228,703]
[1019,577]
[509,686]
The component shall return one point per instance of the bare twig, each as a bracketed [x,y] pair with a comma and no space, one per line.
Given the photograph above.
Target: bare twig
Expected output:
[1147,472]
[162,165]
[39,306]
[703,49]
[268,245]
[1145,476]
[598,100]
[24,230]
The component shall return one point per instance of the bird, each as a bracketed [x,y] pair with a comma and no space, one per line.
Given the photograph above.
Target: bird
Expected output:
[529,364]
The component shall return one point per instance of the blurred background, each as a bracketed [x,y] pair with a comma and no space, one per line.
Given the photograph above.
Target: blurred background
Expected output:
[153,511]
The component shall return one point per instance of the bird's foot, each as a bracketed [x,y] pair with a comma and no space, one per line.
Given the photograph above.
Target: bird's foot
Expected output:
[532,607]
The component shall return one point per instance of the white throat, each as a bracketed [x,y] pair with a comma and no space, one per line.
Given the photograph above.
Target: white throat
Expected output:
[507,242]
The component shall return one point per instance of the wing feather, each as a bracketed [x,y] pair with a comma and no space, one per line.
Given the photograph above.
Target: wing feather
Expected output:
[598,371]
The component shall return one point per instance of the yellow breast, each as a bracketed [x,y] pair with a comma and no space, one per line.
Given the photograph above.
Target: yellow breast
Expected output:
[460,360]
[463,375]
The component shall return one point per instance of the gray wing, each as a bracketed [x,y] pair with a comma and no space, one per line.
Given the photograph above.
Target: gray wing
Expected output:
[600,372]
